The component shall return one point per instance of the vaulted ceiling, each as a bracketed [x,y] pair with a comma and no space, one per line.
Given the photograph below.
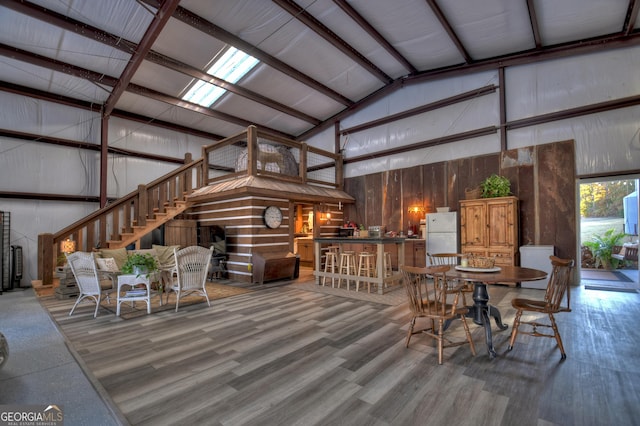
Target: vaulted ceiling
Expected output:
[320,60]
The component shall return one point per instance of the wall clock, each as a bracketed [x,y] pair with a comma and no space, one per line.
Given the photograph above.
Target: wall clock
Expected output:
[272,217]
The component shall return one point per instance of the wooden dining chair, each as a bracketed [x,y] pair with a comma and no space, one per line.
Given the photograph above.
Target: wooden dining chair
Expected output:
[553,302]
[432,298]
[451,259]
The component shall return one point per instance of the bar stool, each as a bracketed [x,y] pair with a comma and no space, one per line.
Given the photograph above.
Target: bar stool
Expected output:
[388,271]
[366,268]
[330,264]
[347,266]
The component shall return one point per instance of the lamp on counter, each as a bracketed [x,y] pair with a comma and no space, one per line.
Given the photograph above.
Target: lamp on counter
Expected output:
[67,246]
[416,209]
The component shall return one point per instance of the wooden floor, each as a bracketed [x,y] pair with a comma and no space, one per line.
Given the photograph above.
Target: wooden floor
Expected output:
[284,356]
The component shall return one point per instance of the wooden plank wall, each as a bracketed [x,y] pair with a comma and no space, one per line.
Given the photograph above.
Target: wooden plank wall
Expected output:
[245,231]
[542,177]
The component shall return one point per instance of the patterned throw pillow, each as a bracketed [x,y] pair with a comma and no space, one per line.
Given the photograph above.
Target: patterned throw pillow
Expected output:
[107,264]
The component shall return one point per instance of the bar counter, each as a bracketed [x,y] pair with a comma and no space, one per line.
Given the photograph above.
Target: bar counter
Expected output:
[379,279]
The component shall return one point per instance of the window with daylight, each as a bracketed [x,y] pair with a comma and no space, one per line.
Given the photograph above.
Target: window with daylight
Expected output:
[231,67]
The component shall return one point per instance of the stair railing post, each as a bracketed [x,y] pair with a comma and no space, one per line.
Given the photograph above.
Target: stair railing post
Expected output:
[143,206]
[252,151]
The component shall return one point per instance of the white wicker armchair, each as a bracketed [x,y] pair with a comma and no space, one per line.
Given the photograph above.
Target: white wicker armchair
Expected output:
[190,272]
[83,266]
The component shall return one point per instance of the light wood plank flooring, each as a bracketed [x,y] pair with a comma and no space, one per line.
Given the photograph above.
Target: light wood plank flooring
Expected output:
[285,356]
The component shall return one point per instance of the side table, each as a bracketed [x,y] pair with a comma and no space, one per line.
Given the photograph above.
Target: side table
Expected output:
[132,294]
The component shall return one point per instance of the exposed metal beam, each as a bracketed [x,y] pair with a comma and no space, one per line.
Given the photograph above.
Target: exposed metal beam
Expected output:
[59,66]
[153,31]
[581,47]
[85,145]
[365,25]
[171,100]
[183,68]
[632,16]
[50,97]
[553,52]
[449,29]
[574,112]
[90,106]
[424,144]
[535,28]
[472,94]
[55,65]
[129,47]
[526,122]
[215,31]
[307,19]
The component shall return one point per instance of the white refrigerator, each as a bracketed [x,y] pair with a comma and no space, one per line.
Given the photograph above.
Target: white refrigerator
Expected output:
[441,233]
[536,257]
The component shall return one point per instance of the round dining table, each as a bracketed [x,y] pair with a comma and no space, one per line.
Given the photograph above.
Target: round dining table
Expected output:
[481,311]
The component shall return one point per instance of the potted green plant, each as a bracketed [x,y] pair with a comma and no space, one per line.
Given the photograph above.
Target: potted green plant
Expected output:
[601,247]
[495,186]
[140,264]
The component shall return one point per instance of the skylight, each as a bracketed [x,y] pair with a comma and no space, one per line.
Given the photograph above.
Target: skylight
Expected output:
[231,67]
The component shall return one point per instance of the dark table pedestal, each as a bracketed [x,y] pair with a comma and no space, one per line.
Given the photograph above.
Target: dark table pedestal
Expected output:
[481,313]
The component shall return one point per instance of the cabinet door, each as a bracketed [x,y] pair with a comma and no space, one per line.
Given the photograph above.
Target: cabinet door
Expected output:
[415,253]
[473,224]
[502,216]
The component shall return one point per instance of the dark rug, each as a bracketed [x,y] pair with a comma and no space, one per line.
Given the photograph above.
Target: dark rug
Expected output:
[597,275]
[214,291]
[608,281]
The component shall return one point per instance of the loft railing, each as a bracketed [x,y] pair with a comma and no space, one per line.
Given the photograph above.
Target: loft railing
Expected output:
[252,152]
[258,153]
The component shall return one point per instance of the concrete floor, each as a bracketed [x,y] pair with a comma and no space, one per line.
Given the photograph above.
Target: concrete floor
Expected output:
[42,368]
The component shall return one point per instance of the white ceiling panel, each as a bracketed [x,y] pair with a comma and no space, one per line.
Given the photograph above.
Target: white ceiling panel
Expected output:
[157,110]
[481,29]
[162,79]
[564,21]
[303,67]
[124,18]
[187,44]
[286,90]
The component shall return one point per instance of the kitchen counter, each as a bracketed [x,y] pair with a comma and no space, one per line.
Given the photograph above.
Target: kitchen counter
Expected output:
[380,280]
[366,240]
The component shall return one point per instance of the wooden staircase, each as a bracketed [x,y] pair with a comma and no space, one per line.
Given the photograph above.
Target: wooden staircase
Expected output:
[126,220]
[139,231]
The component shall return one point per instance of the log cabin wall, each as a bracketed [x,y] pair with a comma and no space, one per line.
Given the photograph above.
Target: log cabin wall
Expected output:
[245,232]
[542,177]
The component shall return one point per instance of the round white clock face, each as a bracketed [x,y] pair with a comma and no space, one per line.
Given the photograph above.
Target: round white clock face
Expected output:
[272,217]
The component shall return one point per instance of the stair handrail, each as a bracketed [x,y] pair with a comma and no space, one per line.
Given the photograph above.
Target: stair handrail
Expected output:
[133,209]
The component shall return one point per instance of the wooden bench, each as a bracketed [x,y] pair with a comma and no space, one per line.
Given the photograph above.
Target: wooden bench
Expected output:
[625,253]
[273,266]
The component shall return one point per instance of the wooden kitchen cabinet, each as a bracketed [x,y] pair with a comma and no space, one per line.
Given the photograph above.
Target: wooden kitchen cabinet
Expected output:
[305,251]
[415,253]
[489,227]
